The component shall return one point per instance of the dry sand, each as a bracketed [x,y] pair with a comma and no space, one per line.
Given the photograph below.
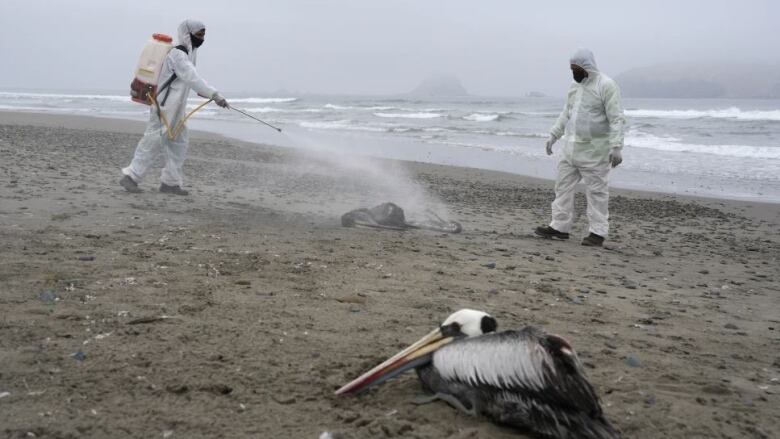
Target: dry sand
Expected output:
[237,311]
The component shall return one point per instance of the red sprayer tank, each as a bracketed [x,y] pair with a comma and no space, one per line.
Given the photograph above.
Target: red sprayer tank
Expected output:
[147,73]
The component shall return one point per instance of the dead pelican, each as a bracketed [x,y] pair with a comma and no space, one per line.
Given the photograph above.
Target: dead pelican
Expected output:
[391,216]
[525,379]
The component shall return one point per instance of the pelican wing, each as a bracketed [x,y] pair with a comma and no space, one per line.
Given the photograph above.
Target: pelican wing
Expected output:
[528,362]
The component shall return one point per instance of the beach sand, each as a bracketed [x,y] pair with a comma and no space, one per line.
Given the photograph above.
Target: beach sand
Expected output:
[237,311]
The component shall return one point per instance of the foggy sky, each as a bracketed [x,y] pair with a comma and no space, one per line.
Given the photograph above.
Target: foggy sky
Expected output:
[496,48]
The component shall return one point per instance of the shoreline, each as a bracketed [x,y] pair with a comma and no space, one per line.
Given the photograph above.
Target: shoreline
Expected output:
[130,126]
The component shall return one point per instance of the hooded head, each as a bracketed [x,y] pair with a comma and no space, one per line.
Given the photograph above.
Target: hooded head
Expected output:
[582,64]
[186,29]
[584,58]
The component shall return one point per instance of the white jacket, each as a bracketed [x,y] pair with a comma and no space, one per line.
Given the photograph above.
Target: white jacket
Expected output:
[592,120]
[183,64]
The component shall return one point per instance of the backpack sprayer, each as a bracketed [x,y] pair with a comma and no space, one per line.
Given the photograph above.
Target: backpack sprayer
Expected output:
[144,88]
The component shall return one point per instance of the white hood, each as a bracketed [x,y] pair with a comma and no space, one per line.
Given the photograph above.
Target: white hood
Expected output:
[186,28]
[584,58]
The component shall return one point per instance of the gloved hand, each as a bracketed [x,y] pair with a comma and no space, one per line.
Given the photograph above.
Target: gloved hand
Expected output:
[550,142]
[615,157]
[219,100]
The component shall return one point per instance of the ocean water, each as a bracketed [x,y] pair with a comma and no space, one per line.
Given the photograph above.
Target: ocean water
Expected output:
[707,147]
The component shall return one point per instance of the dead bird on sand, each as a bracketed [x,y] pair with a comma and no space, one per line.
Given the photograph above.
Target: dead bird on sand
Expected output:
[526,379]
[391,216]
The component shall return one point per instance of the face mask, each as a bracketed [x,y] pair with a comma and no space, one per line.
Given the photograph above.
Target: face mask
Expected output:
[196,42]
[579,75]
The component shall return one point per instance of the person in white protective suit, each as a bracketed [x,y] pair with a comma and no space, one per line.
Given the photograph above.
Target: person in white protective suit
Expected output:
[173,104]
[591,126]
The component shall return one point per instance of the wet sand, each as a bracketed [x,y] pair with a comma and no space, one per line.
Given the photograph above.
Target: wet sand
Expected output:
[236,312]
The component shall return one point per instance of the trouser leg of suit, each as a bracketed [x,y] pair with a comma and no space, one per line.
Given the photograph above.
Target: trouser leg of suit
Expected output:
[563,206]
[596,181]
[175,154]
[147,151]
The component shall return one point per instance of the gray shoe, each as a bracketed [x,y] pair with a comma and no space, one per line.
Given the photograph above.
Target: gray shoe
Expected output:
[593,240]
[548,232]
[129,184]
[176,190]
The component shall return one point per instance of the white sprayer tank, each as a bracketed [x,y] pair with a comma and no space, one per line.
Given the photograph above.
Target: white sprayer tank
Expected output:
[147,73]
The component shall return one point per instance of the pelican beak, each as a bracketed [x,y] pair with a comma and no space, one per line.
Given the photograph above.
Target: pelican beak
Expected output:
[415,355]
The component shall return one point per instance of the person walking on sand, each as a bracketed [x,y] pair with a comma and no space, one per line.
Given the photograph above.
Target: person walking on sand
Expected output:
[173,103]
[591,125]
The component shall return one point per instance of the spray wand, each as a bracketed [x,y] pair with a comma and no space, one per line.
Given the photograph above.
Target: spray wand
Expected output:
[252,117]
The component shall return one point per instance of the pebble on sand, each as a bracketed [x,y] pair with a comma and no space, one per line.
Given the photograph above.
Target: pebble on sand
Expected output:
[630,284]
[633,361]
[47,296]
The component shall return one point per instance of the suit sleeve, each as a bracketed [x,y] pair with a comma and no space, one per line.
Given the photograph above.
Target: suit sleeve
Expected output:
[614,110]
[558,129]
[186,71]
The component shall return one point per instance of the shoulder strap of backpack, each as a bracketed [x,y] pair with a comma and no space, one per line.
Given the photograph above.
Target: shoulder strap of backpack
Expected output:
[167,83]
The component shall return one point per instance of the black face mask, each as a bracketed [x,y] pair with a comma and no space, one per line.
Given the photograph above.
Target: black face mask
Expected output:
[196,42]
[579,75]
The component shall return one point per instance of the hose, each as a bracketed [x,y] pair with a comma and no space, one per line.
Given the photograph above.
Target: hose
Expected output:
[172,134]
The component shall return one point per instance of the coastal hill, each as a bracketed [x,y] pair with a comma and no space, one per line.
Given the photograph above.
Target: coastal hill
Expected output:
[689,80]
[440,86]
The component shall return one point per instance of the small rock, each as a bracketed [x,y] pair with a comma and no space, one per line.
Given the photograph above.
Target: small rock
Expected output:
[47,296]
[86,258]
[630,284]
[490,265]
[243,282]
[549,258]
[354,299]
[284,399]
[493,292]
[730,326]
[633,361]
[79,356]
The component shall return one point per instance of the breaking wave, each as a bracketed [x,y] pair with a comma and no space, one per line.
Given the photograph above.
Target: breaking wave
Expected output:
[674,144]
[24,95]
[481,117]
[409,115]
[340,125]
[264,100]
[727,113]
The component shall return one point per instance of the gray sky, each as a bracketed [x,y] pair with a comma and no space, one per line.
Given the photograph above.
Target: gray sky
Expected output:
[377,47]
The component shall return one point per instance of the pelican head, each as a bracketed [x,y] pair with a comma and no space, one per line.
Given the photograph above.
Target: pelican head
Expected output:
[460,324]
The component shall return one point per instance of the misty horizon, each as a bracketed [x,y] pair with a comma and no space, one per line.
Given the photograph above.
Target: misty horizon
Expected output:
[496,48]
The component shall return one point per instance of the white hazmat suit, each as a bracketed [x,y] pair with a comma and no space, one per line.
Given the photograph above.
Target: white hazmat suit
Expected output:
[591,126]
[155,139]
